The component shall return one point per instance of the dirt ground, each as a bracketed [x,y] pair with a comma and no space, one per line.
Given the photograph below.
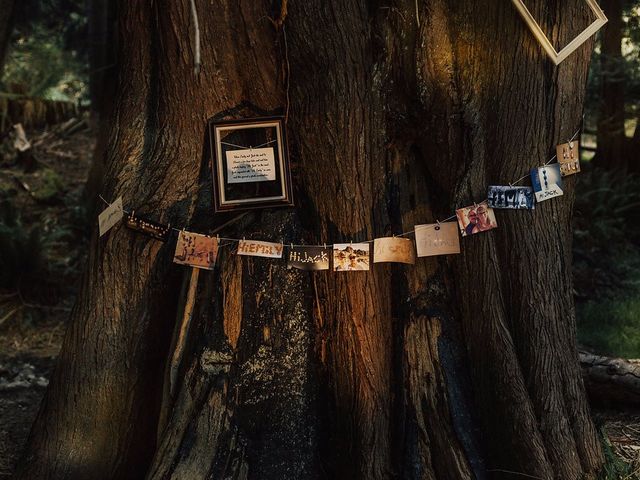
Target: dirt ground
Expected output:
[33,315]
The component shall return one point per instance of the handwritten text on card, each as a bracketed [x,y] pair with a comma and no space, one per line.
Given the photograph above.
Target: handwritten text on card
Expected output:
[251,165]
[393,249]
[110,216]
[437,239]
[257,248]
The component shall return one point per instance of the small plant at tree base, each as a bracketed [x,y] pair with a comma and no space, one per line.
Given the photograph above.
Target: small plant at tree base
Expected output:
[615,468]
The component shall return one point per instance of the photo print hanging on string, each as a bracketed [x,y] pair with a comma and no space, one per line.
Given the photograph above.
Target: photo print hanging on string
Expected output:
[250,164]
[476,219]
[547,182]
[521,198]
[349,257]
[569,158]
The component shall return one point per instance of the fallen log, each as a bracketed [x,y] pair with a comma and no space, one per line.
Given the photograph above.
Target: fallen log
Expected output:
[611,382]
[33,112]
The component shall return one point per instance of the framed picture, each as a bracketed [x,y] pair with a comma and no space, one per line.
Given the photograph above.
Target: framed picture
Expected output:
[250,164]
[555,55]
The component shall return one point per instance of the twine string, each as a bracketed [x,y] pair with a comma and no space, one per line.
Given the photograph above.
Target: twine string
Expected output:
[232,241]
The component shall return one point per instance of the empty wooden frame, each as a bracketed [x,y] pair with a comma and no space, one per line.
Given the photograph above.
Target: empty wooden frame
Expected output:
[548,47]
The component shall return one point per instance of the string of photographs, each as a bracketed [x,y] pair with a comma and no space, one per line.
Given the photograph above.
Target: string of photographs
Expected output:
[441,238]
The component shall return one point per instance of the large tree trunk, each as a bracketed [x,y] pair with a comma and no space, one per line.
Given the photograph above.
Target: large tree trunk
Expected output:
[459,367]
[611,153]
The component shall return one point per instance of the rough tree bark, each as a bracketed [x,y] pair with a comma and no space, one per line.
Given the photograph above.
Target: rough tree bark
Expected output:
[459,367]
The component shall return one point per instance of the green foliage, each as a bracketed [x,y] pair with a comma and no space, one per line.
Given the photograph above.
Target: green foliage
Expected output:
[50,188]
[614,467]
[606,263]
[47,57]
[611,327]
[606,235]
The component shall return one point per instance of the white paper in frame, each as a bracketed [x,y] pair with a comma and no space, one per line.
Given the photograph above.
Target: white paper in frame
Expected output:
[223,199]
[548,47]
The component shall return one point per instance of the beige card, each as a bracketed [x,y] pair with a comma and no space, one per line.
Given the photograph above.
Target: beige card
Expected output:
[437,239]
[569,158]
[196,250]
[393,249]
[110,216]
[256,248]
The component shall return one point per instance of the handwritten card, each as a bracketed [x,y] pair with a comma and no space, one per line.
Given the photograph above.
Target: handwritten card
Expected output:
[393,249]
[547,182]
[255,248]
[110,216]
[251,165]
[308,258]
[196,250]
[437,239]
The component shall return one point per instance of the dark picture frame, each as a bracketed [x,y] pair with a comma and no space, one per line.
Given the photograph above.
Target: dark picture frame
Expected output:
[250,164]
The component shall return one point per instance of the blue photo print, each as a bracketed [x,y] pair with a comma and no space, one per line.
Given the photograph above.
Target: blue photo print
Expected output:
[547,182]
[500,196]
